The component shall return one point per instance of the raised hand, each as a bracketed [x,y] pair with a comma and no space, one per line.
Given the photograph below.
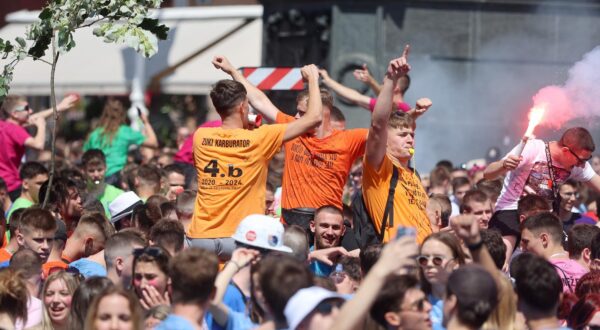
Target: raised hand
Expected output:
[466,227]
[362,74]
[398,255]
[423,104]
[324,74]
[242,257]
[310,72]
[222,63]
[69,102]
[511,162]
[399,67]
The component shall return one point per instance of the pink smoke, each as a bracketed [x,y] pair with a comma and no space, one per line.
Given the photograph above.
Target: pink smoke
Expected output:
[578,98]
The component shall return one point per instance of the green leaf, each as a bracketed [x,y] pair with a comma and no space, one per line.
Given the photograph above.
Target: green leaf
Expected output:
[8,47]
[45,14]
[41,44]
[161,31]
[21,42]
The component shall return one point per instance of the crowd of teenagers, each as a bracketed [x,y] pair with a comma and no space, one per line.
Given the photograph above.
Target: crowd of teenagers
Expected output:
[295,224]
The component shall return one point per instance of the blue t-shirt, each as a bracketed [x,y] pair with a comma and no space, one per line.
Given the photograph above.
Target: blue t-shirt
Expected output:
[318,268]
[437,312]
[174,322]
[234,299]
[88,268]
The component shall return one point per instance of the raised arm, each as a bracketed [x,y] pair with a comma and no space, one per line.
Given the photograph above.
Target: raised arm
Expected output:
[314,113]
[65,104]
[466,227]
[377,138]
[398,256]
[256,97]
[345,92]
[151,140]
[365,76]
[499,168]
[240,258]
[38,141]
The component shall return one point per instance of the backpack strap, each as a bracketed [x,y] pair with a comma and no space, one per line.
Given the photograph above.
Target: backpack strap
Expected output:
[389,205]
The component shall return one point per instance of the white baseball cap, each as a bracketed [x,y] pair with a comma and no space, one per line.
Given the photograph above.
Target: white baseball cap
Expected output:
[123,205]
[304,302]
[261,231]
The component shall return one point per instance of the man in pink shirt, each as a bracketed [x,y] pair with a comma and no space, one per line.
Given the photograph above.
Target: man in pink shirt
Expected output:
[542,235]
[15,115]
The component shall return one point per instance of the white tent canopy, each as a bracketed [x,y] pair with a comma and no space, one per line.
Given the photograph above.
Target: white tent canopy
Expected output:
[95,67]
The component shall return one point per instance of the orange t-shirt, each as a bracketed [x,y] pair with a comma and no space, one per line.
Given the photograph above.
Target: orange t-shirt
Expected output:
[48,266]
[4,255]
[316,170]
[410,199]
[232,166]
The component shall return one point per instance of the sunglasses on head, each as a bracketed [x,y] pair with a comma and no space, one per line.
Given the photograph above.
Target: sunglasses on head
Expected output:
[423,260]
[151,251]
[69,270]
[325,307]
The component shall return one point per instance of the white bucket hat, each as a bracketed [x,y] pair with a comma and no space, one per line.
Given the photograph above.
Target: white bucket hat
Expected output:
[261,231]
[123,205]
[303,302]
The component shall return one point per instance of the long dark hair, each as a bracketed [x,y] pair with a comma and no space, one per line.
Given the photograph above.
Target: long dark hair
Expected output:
[453,244]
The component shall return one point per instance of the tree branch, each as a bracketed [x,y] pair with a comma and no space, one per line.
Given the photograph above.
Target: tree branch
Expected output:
[39,59]
[55,55]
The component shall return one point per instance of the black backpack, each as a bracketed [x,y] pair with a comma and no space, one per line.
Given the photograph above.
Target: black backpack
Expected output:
[364,229]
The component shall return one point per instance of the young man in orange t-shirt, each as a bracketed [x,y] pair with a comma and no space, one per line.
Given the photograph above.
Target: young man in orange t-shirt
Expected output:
[232,161]
[389,146]
[317,164]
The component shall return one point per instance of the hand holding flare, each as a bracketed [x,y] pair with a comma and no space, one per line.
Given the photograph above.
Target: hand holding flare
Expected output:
[535,117]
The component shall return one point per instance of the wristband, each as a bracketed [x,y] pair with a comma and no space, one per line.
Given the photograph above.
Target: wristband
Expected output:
[476,246]
[236,264]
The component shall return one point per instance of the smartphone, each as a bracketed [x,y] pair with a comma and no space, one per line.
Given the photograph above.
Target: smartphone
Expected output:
[404,231]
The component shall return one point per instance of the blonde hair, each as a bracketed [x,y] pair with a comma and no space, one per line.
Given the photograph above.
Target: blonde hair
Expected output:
[70,281]
[134,307]
[503,317]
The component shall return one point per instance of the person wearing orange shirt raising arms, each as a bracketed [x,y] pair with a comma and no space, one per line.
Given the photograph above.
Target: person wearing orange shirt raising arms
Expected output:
[232,162]
[317,164]
[389,149]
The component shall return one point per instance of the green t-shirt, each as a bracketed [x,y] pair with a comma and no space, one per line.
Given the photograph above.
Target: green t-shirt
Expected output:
[110,193]
[115,151]
[20,203]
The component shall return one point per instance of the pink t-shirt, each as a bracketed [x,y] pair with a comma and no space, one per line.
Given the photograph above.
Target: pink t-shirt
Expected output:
[570,271]
[186,154]
[12,140]
[405,107]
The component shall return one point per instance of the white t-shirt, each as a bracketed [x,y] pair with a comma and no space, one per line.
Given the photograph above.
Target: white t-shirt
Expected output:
[532,176]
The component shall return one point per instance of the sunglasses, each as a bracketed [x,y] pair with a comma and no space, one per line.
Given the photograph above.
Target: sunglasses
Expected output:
[22,108]
[327,306]
[151,251]
[579,160]
[419,305]
[423,260]
[69,270]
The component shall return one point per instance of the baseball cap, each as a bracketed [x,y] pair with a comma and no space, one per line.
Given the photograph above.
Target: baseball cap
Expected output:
[304,302]
[123,205]
[261,231]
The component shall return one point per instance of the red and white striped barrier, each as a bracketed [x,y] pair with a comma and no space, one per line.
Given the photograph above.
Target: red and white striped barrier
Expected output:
[274,78]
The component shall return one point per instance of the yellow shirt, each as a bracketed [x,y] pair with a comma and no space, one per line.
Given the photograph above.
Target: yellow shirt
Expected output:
[410,199]
[232,167]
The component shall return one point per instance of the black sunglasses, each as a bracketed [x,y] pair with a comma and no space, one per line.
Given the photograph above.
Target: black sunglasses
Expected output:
[151,251]
[579,160]
[325,307]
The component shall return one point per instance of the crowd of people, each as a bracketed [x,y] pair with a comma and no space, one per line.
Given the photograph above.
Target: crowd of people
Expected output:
[296,224]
